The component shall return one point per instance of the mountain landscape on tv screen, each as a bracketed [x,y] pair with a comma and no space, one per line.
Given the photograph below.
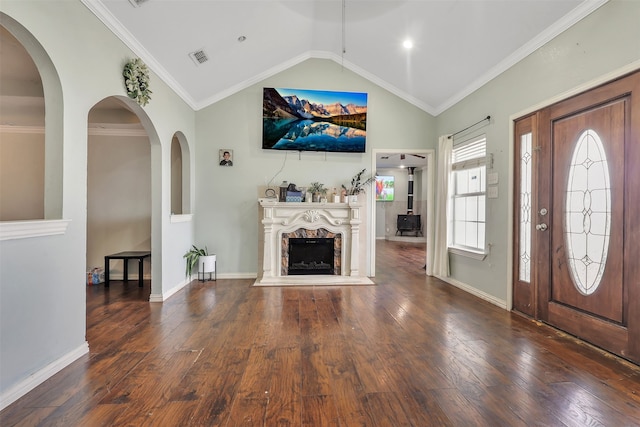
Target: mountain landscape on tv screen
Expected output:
[292,122]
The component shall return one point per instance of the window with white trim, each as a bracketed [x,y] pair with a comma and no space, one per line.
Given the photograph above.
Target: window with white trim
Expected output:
[468,196]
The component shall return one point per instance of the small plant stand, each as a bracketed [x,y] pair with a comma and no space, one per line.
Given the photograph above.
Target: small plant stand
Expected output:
[207,264]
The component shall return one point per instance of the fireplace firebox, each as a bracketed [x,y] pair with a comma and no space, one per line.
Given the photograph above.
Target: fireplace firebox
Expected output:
[311,256]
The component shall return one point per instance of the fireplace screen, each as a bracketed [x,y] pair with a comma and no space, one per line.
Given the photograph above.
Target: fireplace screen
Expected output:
[311,256]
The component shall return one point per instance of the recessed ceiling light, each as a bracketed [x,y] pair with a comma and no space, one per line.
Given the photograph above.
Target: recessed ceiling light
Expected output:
[242,38]
[408,44]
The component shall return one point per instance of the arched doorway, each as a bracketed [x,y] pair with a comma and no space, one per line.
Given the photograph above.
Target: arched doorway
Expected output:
[124,184]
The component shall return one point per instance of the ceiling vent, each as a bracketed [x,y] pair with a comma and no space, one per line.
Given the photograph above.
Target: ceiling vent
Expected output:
[137,3]
[199,57]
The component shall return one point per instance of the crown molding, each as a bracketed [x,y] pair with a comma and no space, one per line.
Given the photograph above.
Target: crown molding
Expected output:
[115,129]
[576,15]
[253,80]
[30,129]
[283,66]
[116,27]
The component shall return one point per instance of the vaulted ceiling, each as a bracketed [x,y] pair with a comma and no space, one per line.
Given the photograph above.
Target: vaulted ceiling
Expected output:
[458,45]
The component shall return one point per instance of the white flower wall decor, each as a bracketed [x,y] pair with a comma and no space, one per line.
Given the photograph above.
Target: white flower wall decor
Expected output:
[136,81]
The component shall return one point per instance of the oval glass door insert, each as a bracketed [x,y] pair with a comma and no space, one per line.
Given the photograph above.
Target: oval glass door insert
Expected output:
[588,212]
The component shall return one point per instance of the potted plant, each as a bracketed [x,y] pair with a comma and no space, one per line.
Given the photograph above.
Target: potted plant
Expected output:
[357,186]
[201,257]
[317,189]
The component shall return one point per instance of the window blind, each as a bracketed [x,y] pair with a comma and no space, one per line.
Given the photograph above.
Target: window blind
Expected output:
[470,155]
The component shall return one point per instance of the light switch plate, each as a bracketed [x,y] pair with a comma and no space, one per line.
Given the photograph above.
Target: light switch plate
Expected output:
[493,192]
[492,178]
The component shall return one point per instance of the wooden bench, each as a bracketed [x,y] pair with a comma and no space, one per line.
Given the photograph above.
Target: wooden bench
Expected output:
[126,256]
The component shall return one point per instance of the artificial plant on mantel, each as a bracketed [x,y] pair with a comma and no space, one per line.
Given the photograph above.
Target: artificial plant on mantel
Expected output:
[358,185]
[317,189]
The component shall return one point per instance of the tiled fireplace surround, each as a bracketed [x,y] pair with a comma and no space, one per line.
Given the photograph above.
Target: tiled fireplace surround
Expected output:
[284,220]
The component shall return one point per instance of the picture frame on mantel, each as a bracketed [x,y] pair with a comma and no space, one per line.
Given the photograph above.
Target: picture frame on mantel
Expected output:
[225,157]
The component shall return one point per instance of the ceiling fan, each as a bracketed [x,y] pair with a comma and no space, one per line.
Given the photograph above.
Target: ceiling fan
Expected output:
[402,156]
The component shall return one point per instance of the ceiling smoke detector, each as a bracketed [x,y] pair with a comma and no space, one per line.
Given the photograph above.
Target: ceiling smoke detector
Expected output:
[137,3]
[199,57]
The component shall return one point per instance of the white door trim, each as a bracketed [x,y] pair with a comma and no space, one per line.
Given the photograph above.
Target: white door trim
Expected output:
[429,177]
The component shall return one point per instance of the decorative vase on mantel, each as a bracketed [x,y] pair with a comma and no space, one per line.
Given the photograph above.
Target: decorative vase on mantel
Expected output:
[343,196]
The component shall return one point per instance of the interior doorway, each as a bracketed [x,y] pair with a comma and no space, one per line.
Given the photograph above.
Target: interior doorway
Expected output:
[406,174]
[119,207]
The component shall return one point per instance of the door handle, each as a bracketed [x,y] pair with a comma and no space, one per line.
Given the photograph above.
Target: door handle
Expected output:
[541,227]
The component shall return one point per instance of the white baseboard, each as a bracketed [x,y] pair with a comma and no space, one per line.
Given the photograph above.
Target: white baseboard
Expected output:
[35,379]
[166,295]
[473,291]
[227,276]
[237,276]
[133,277]
[407,239]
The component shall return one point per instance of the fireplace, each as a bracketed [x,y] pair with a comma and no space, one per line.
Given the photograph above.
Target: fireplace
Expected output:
[331,231]
[310,256]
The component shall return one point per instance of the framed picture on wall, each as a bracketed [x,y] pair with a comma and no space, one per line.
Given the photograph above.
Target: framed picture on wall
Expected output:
[226,157]
[384,188]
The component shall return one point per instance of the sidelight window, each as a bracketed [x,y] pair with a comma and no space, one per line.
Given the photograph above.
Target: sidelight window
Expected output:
[525,208]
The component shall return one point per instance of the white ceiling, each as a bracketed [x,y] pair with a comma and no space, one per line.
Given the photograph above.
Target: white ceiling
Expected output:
[458,44]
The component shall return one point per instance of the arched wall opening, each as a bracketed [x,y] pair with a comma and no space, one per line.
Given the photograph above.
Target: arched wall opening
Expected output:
[180,175]
[32,133]
[124,188]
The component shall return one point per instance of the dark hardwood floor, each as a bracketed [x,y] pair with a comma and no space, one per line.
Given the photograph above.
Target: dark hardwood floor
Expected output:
[410,351]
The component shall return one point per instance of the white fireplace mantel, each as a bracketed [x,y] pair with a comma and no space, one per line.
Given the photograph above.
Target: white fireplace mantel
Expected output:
[288,217]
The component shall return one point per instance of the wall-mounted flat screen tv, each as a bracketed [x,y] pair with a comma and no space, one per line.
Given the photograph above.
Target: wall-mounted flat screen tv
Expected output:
[384,188]
[314,120]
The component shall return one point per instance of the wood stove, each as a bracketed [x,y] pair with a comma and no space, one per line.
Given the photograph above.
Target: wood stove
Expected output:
[409,224]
